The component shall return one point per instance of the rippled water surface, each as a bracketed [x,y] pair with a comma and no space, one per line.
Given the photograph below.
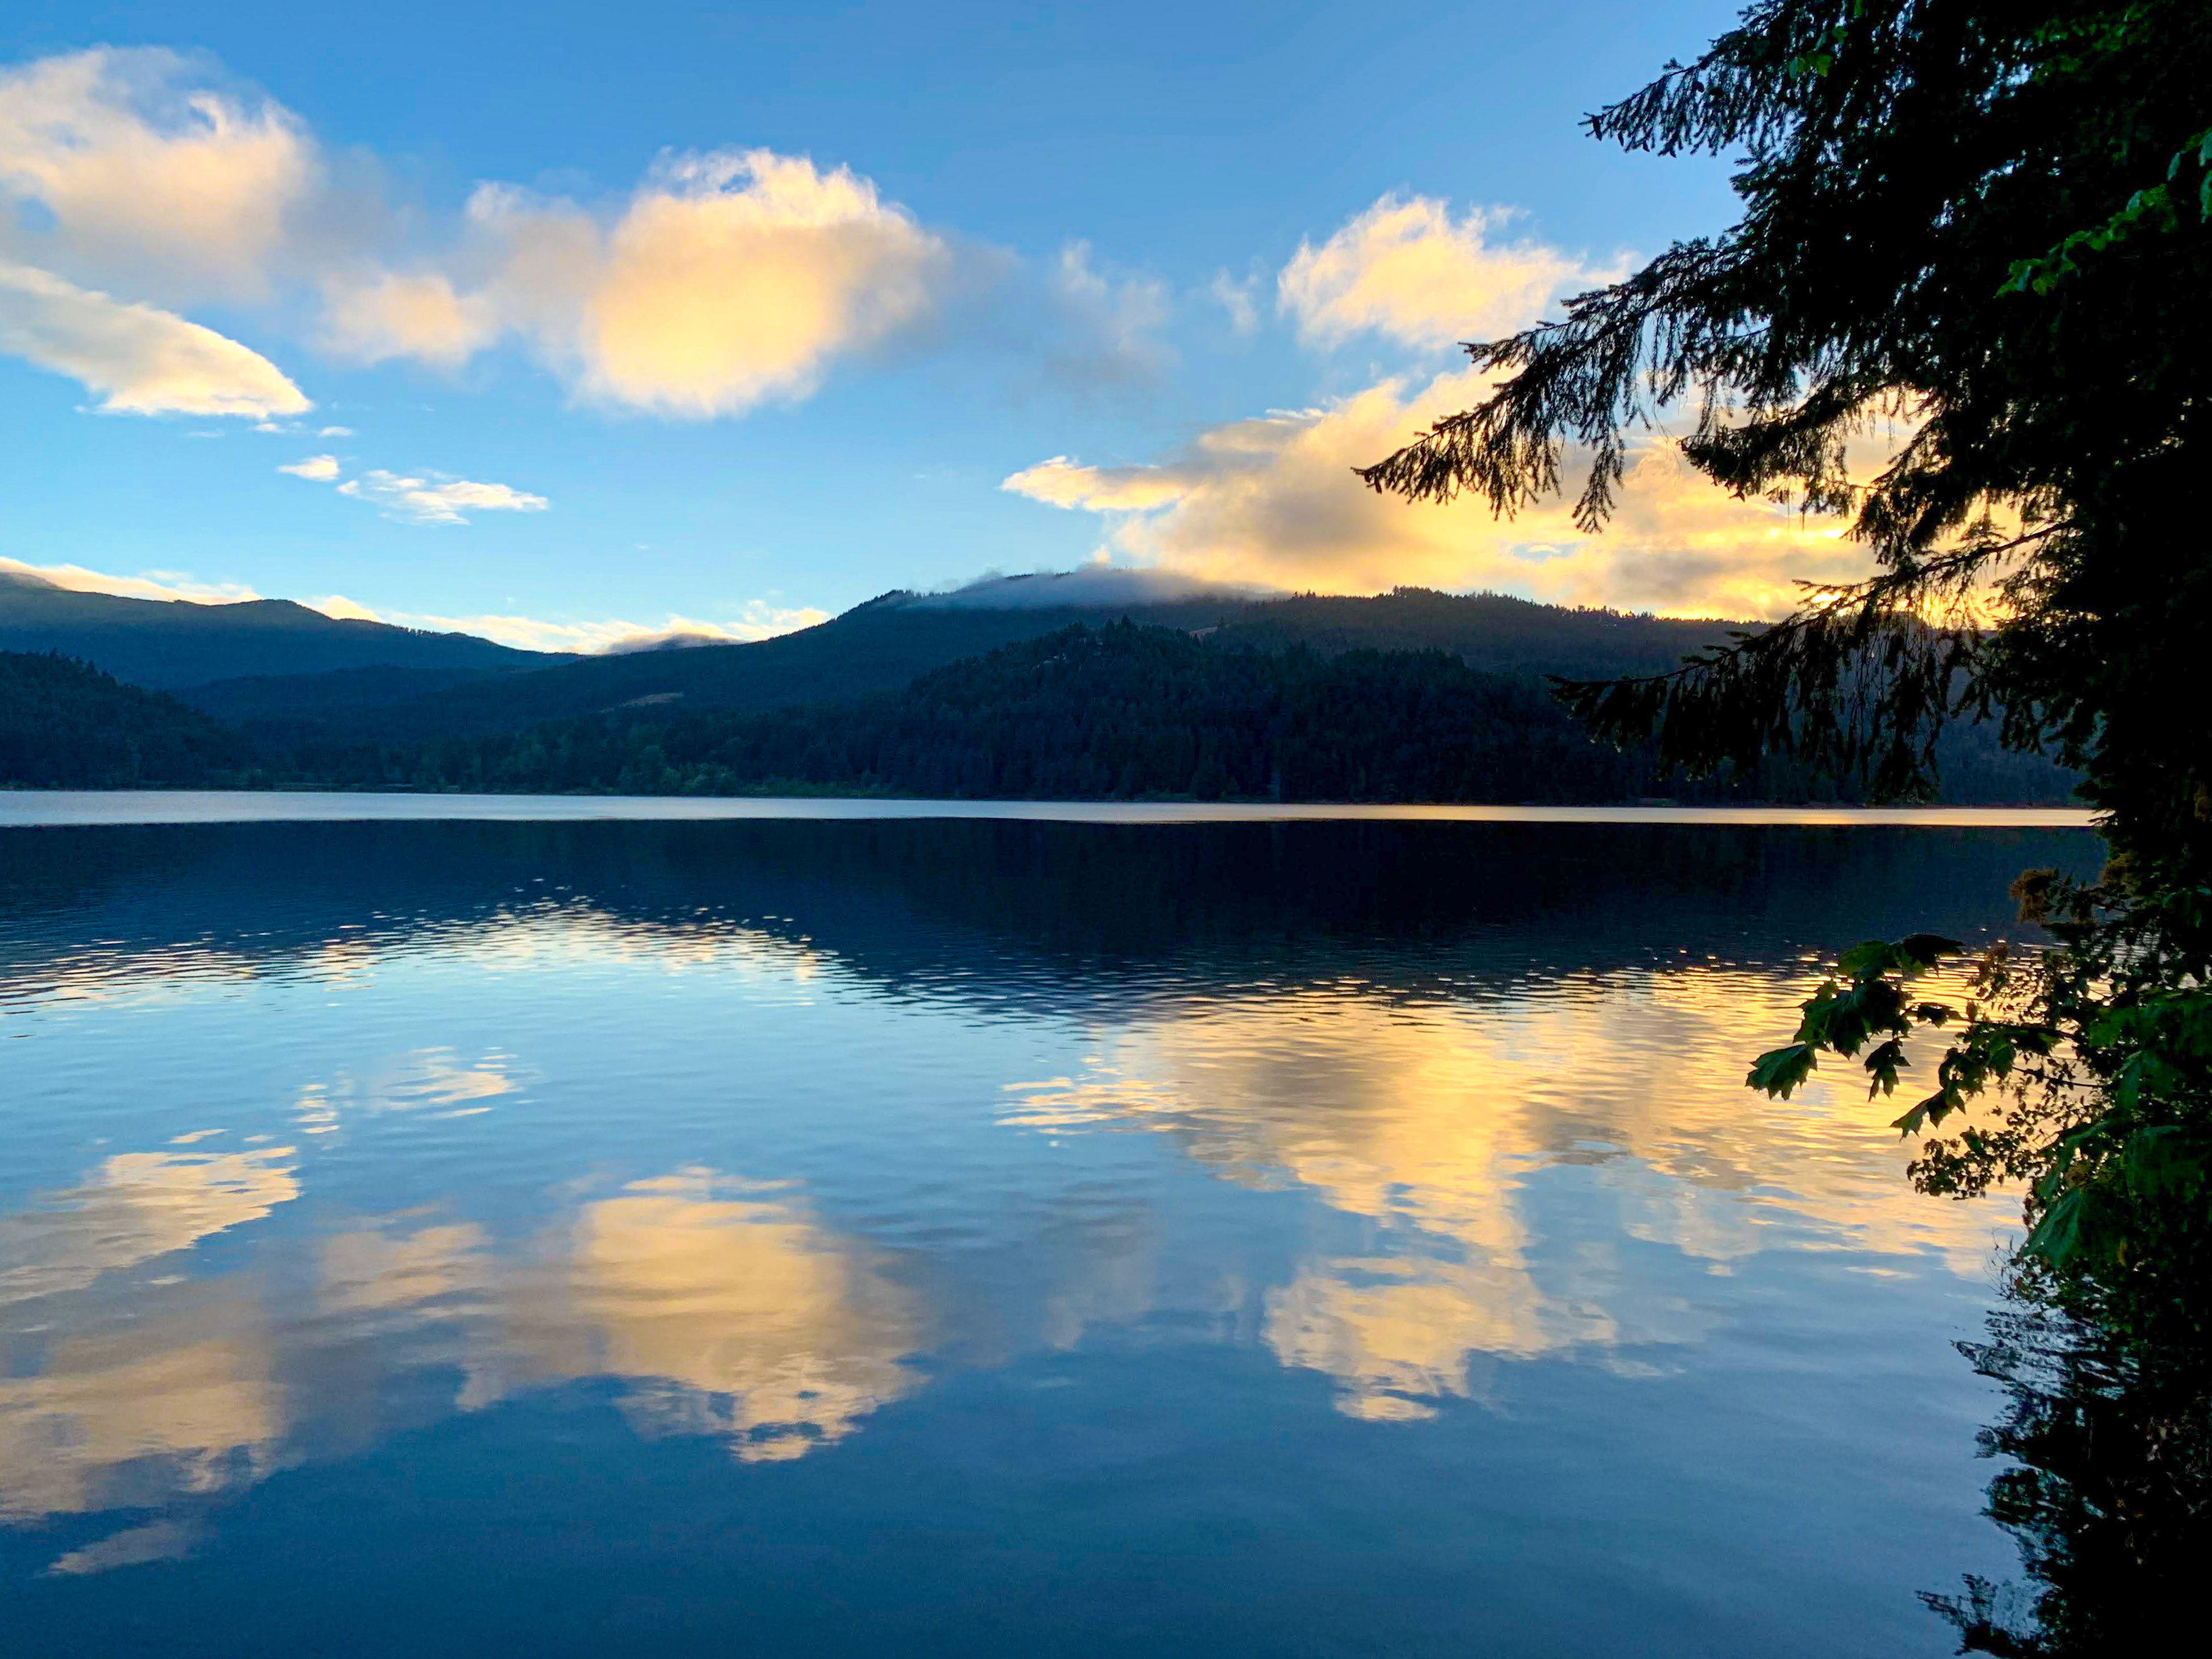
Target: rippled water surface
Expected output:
[976,1237]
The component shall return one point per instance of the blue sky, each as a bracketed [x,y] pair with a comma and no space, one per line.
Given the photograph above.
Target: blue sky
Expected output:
[572,321]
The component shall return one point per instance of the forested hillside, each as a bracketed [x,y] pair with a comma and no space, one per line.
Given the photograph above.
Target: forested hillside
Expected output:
[881,646]
[1131,712]
[65,725]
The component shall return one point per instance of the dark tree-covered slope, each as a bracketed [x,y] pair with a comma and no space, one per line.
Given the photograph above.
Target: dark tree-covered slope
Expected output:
[66,724]
[1489,631]
[1124,711]
[882,645]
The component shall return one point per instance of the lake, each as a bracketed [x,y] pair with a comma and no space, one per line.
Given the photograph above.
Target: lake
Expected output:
[865,1232]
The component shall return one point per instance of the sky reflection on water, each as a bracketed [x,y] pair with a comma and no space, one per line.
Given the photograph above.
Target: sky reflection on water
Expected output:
[1315,1238]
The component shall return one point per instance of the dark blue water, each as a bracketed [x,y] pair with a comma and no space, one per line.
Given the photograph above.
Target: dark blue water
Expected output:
[970,1238]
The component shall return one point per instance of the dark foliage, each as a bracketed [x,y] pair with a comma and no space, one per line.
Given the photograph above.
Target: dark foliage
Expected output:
[1987,223]
[1991,226]
[66,725]
[2108,1490]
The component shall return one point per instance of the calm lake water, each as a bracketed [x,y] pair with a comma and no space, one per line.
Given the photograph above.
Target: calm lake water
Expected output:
[860,1237]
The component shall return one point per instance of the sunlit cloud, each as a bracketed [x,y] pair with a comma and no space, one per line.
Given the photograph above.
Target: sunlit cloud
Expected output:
[727,279]
[437,500]
[1272,500]
[141,360]
[374,318]
[1064,483]
[147,585]
[142,172]
[1406,269]
[316,469]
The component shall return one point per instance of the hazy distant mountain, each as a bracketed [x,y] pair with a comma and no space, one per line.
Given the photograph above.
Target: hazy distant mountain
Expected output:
[170,643]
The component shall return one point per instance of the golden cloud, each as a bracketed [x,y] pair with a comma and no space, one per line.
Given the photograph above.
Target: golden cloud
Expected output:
[727,279]
[143,177]
[1272,502]
[1406,269]
[386,314]
[141,360]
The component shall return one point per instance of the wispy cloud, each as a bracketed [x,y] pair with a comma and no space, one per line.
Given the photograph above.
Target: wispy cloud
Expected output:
[436,500]
[1109,323]
[1237,300]
[1406,269]
[316,469]
[141,360]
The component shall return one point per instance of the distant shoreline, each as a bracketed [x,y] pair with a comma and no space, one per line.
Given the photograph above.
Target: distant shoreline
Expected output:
[62,808]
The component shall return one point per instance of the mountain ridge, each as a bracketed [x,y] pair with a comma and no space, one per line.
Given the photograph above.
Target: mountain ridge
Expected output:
[165,645]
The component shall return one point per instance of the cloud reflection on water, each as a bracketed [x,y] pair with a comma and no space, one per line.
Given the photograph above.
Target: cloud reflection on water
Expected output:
[133,1207]
[1430,1119]
[1425,1102]
[136,1413]
[729,1311]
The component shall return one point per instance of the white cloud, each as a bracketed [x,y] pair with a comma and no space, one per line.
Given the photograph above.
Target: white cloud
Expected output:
[757,620]
[727,279]
[316,469]
[1272,502]
[147,585]
[139,174]
[141,360]
[1405,268]
[427,501]
[336,432]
